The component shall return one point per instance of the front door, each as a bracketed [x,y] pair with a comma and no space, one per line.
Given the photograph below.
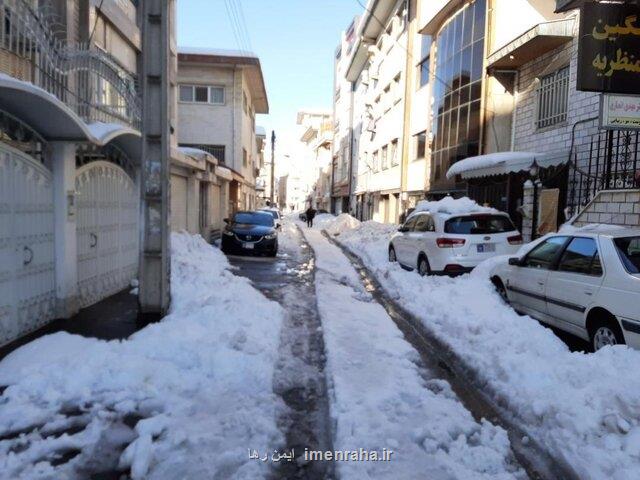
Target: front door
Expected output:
[527,284]
[107,230]
[573,285]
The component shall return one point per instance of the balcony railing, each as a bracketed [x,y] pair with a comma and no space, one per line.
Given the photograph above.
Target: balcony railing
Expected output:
[91,82]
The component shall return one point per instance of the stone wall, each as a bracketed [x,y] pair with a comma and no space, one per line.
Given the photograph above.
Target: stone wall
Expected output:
[614,207]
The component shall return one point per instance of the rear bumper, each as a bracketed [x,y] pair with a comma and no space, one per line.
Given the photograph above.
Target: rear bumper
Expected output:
[232,246]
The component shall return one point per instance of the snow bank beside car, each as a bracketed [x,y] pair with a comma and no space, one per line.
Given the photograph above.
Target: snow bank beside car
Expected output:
[583,408]
[184,398]
[334,225]
[381,400]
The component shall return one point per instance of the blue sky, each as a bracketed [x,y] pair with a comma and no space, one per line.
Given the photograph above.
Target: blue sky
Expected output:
[295,40]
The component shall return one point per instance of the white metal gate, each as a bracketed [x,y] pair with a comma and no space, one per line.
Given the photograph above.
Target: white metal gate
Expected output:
[107,230]
[27,266]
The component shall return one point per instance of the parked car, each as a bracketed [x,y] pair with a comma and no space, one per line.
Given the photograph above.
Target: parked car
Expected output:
[452,244]
[587,284]
[275,213]
[250,233]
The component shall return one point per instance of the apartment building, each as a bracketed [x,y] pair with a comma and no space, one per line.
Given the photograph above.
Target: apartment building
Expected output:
[220,94]
[377,71]
[313,158]
[343,108]
[70,157]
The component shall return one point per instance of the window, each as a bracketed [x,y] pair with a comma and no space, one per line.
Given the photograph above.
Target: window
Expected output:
[479,225]
[459,57]
[424,224]
[421,144]
[202,94]
[410,224]
[423,66]
[543,255]
[374,161]
[553,95]
[383,158]
[244,157]
[629,251]
[581,256]
[245,102]
[393,154]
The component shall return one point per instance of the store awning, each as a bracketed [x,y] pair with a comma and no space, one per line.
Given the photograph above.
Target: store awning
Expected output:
[502,163]
[532,44]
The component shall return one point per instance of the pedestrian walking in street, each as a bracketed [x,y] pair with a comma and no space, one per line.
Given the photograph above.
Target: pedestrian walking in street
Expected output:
[310,213]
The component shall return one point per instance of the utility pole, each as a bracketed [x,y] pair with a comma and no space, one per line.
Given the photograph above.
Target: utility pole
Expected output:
[273,165]
[155,264]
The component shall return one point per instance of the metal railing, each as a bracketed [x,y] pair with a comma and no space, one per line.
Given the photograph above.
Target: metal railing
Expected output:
[609,161]
[553,96]
[90,81]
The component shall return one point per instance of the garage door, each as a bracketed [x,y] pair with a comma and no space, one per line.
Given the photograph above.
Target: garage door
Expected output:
[178,203]
[27,268]
[107,230]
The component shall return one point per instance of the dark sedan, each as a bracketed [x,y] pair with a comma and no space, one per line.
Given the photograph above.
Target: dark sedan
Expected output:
[250,233]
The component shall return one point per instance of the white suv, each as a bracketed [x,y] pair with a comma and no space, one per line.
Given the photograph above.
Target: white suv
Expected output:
[585,283]
[451,244]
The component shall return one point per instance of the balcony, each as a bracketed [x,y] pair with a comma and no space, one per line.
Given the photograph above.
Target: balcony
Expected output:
[90,82]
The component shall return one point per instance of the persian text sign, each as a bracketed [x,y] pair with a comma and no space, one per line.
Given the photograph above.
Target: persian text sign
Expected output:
[609,48]
[620,112]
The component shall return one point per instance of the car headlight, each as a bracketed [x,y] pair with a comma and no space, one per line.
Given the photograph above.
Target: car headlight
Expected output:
[228,232]
[270,236]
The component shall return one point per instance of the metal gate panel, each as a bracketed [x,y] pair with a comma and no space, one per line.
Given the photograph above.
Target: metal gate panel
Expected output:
[27,265]
[107,230]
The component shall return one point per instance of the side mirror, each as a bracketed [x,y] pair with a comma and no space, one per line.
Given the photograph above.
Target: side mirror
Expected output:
[515,262]
[225,220]
[403,229]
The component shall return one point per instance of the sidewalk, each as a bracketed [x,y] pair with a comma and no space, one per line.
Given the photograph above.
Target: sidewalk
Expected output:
[113,318]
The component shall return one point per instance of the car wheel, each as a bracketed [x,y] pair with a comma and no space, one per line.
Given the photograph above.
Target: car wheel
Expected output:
[500,288]
[604,333]
[423,266]
[392,255]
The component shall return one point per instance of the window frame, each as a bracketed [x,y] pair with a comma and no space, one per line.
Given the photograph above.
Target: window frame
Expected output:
[209,101]
[551,87]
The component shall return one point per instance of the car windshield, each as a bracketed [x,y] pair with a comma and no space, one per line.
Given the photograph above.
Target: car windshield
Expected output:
[273,213]
[479,224]
[254,218]
[629,250]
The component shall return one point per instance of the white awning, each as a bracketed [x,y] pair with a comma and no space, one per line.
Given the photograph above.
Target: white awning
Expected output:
[224,173]
[502,163]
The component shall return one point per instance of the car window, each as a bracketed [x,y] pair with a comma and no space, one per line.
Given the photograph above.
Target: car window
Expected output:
[581,256]
[544,254]
[410,224]
[479,224]
[424,223]
[254,218]
[629,250]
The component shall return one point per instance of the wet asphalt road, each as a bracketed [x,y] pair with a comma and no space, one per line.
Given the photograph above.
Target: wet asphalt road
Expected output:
[300,372]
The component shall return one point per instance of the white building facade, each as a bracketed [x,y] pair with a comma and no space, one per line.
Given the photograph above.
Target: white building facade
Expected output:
[220,94]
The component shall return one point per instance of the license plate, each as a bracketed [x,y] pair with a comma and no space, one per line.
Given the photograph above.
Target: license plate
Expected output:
[486,247]
[248,246]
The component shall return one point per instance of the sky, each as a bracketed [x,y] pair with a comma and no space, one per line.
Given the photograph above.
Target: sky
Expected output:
[294,39]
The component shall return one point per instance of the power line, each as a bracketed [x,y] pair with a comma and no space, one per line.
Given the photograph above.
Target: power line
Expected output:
[243,22]
[234,27]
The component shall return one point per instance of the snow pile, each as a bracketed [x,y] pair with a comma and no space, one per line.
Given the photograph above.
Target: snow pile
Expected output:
[381,400]
[590,228]
[583,408]
[183,398]
[334,225]
[453,206]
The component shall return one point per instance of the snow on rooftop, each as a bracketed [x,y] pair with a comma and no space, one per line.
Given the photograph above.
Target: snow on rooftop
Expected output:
[218,52]
[453,206]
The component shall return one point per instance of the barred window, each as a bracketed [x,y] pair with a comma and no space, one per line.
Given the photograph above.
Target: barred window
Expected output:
[553,95]
[217,151]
